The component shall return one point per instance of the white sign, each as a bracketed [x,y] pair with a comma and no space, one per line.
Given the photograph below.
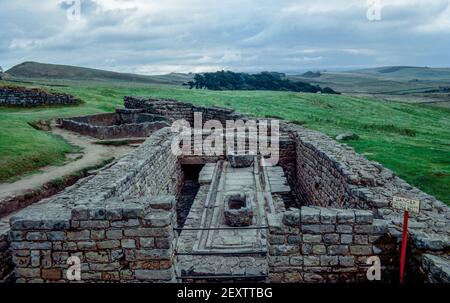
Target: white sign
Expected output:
[410,205]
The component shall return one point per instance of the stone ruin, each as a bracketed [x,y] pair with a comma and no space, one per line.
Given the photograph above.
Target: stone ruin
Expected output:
[124,123]
[315,217]
[238,209]
[30,97]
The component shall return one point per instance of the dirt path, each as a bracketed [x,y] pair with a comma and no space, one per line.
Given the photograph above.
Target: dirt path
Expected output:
[91,154]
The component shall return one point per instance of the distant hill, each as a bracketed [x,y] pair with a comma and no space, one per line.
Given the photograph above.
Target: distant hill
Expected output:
[36,70]
[400,83]
[408,73]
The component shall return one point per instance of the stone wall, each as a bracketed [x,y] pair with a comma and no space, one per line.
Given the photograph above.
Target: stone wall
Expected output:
[115,125]
[176,110]
[315,244]
[129,240]
[119,222]
[5,256]
[19,96]
[332,175]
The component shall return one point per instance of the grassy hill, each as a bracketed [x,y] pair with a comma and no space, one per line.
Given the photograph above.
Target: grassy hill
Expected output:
[406,73]
[398,83]
[35,70]
[412,140]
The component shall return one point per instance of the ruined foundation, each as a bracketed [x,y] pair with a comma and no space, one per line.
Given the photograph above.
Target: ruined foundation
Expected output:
[31,97]
[124,123]
[315,217]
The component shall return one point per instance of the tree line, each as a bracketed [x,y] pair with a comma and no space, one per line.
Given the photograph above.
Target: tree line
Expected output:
[227,80]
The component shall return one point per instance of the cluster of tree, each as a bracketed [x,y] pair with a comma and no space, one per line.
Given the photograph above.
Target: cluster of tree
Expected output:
[227,80]
[1,73]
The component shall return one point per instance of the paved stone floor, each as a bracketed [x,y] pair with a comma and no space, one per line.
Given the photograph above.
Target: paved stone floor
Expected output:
[215,249]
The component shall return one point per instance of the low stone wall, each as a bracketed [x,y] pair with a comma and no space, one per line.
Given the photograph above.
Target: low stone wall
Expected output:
[129,240]
[314,244]
[119,222]
[176,110]
[19,96]
[330,174]
[114,125]
[6,264]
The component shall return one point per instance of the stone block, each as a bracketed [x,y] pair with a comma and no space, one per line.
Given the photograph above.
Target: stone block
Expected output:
[126,223]
[147,242]
[104,266]
[98,256]
[363,229]
[94,224]
[318,228]
[327,216]
[86,245]
[292,217]
[56,236]
[306,249]
[312,278]
[319,249]
[31,245]
[153,254]
[114,213]
[147,232]
[108,244]
[97,235]
[309,215]
[344,229]
[154,275]
[293,240]
[331,238]
[296,260]
[345,216]
[329,260]
[311,261]
[162,202]
[360,250]
[36,236]
[346,261]
[363,216]
[361,239]
[128,243]
[114,234]
[337,249]
[78,235]
[346,238]
[308,238]
[157,219]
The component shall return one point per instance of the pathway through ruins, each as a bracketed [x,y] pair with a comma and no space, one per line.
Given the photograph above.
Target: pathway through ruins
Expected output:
[92,154]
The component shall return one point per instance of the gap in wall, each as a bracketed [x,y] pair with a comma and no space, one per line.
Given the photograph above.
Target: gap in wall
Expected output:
[188,192]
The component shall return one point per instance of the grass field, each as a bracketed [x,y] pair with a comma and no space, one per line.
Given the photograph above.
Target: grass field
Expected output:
[412,140]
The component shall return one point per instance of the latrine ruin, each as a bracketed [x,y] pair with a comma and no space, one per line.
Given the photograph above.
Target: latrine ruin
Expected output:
[317,216]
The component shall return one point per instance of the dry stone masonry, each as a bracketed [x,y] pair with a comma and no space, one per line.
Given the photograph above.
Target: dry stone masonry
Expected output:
[124,123]
[24,97]
[318,216]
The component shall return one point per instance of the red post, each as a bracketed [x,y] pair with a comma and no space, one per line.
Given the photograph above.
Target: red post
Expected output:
[404,241]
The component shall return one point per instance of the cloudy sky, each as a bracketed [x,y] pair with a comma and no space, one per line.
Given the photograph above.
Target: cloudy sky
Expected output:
[162,36]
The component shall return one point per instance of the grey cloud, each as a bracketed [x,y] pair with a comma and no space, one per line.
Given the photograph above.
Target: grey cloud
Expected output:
[245,35]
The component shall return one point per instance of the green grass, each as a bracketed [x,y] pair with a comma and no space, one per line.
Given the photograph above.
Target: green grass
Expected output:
[412,140]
